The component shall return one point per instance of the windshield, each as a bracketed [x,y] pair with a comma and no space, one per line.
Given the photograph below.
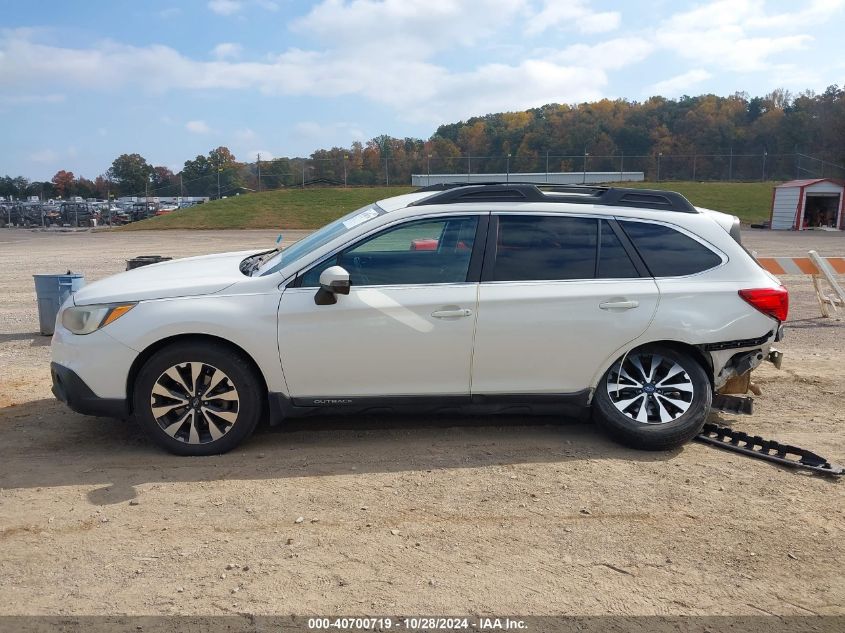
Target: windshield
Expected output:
[319,238]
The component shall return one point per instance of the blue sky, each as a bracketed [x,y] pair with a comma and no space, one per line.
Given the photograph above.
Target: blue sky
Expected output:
[84,81]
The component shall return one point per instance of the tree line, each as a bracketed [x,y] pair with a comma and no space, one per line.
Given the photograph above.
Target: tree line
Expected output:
[704,137]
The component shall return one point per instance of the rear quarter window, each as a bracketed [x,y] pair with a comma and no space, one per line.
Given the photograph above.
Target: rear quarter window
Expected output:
[667,252]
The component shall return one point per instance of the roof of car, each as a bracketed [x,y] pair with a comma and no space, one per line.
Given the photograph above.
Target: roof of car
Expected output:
[458,193]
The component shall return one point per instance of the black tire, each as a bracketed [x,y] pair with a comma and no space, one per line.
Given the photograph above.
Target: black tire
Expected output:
[654,435]
[240,377]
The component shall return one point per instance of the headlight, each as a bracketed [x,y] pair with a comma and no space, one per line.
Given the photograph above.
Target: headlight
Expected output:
[87,319]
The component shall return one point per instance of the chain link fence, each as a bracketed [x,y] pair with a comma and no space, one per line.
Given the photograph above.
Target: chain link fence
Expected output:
[728,167]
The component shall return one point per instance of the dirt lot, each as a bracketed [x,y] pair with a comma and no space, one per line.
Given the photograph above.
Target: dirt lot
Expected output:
[432,516]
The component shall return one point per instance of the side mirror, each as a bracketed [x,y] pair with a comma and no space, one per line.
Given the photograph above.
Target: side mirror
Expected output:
[333,281]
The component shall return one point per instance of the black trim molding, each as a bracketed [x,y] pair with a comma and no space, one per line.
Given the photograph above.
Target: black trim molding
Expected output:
[567,404]
[739,343]
[69,388]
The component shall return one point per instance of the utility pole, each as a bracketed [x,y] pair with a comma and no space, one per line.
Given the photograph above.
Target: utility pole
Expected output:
[345,156]
[303,173]
[659,154]
[585,165]
[508,169]
[763,174]
[547,165]
[621,164]
[428,169]
[181,188]
[258,163]
[731,165]
[218,179]
[108,195]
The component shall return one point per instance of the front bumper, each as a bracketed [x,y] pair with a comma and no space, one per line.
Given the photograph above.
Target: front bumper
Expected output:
[72,390]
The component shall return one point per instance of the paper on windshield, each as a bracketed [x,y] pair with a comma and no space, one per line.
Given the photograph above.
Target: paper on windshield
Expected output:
[362,217]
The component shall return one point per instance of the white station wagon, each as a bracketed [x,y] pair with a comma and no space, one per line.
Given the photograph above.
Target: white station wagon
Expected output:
[632,305]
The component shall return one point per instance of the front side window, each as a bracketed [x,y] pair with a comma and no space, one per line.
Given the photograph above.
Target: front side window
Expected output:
[545,248]
[667,252]
[421,252]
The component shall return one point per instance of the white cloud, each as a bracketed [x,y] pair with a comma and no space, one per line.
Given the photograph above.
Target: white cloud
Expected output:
[812,13]
[225,7]
[572,13]
[612,54]
[197,127]
[226,50]
[414,28]
[677,85]
[44,156]
[721,33]
[245,134]
[501,87]
[438,93]
[393,52]
[169,12]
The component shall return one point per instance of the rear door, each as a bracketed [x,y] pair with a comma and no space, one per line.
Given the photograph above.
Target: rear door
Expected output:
[559,295]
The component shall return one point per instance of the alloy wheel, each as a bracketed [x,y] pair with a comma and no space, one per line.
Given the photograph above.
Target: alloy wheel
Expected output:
[194,402]
[650,389]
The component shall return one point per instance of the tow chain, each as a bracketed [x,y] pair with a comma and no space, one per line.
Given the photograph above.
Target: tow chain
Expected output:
[769,450]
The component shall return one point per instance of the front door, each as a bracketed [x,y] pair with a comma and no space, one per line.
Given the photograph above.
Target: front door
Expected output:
[559,295]
[404,329]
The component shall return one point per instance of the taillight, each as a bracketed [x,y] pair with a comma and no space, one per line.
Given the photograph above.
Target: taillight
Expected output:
[773,302]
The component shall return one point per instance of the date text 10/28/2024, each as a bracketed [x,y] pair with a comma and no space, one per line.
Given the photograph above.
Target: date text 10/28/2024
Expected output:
[417,624]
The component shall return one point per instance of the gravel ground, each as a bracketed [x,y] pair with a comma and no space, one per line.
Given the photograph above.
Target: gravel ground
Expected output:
[426,516]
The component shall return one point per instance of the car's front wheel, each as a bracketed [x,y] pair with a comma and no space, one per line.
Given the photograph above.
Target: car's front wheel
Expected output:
[198,398]
[655,398]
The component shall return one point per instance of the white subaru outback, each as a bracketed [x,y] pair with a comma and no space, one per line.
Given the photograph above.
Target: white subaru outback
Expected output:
[630,304]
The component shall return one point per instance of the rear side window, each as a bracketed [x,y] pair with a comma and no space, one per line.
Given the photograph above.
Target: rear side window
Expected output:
[545,248]
[614,262]
[667,252]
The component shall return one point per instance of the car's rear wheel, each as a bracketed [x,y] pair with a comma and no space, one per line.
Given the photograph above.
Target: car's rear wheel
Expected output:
[655,398]
[198,398]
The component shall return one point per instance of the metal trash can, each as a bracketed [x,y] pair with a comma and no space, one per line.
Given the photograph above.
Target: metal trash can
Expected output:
[51,292]
[144,260]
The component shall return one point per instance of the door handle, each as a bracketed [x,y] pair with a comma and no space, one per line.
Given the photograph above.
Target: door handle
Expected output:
[451,314]
[618,305]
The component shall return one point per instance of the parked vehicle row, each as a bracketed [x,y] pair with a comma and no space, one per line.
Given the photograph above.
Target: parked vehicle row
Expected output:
[80,214]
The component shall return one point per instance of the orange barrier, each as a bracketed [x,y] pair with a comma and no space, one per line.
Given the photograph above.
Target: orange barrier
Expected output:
[799,265]
[818,268]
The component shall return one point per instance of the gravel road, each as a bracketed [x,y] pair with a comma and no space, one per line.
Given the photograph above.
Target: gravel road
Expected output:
[496,515]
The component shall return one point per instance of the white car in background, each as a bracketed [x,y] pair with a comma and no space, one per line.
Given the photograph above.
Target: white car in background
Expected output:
[632,304]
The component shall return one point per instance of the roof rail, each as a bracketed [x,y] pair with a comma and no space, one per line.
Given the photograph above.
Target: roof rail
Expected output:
[454,193]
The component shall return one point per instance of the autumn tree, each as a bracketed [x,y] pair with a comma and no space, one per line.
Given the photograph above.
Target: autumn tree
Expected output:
[63,182]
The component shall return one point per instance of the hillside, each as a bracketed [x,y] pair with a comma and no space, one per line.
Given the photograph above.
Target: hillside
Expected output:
[312,208]
[281,208]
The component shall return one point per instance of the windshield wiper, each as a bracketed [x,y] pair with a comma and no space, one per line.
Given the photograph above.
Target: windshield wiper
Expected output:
[253,262]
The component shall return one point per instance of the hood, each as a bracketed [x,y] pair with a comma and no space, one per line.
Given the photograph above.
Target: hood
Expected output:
[179,278]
